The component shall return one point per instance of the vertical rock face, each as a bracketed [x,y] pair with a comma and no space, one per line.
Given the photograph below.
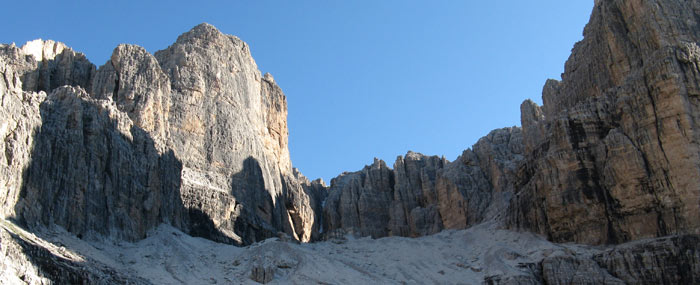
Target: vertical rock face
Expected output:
[38,67]
[305,204]
[613,154]
[415,210]
[426,194]
[670,260]
[48,65]
[20,113]
[132,79]
[358,201]
[227,125]
[194,136]
[91,170]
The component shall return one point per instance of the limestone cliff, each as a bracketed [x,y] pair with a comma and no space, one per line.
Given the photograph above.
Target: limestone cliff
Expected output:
[194,136]
[613,154]
[425,194]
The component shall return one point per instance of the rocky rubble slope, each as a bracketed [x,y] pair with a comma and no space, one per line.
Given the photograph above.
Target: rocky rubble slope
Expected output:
[479,255]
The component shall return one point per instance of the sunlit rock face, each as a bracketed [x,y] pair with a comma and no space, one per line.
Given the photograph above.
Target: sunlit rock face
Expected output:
[611,156]
[613,153]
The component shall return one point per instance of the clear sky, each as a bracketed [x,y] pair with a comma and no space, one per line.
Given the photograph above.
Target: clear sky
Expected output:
[363,78]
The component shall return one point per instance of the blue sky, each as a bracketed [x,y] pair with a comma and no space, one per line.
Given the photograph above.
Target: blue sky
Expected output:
[363,79]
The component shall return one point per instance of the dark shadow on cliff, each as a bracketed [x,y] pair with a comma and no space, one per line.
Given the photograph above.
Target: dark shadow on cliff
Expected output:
[259,216]
[93,179]
[256,212]
[253,214]
[66,68]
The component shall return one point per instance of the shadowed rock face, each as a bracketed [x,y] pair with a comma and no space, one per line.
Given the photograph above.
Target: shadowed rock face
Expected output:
[670,260]
[92,171]
[425,194]
[46,65]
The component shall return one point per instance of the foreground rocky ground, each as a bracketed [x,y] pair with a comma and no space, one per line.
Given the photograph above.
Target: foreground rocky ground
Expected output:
[481,254]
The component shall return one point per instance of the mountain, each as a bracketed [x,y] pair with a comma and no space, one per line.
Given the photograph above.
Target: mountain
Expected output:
[151,152]
[612,155]
[194,137]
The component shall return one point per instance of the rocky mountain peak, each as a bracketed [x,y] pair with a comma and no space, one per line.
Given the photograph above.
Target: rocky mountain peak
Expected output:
[204,35]
[204,32]
[40,49]
[206,142]
[46,65]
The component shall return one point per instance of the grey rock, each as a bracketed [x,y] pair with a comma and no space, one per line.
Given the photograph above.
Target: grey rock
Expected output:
[132,78]
[314,195]
[46,65]
[91,171]
[414,211]
[195,137]
[227,124]
[532,120]
[262,273]
[426,194]
[20,113]
[27,260]
[669,260]
[24,65]
[357,202]
[272,260]
[571,269]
